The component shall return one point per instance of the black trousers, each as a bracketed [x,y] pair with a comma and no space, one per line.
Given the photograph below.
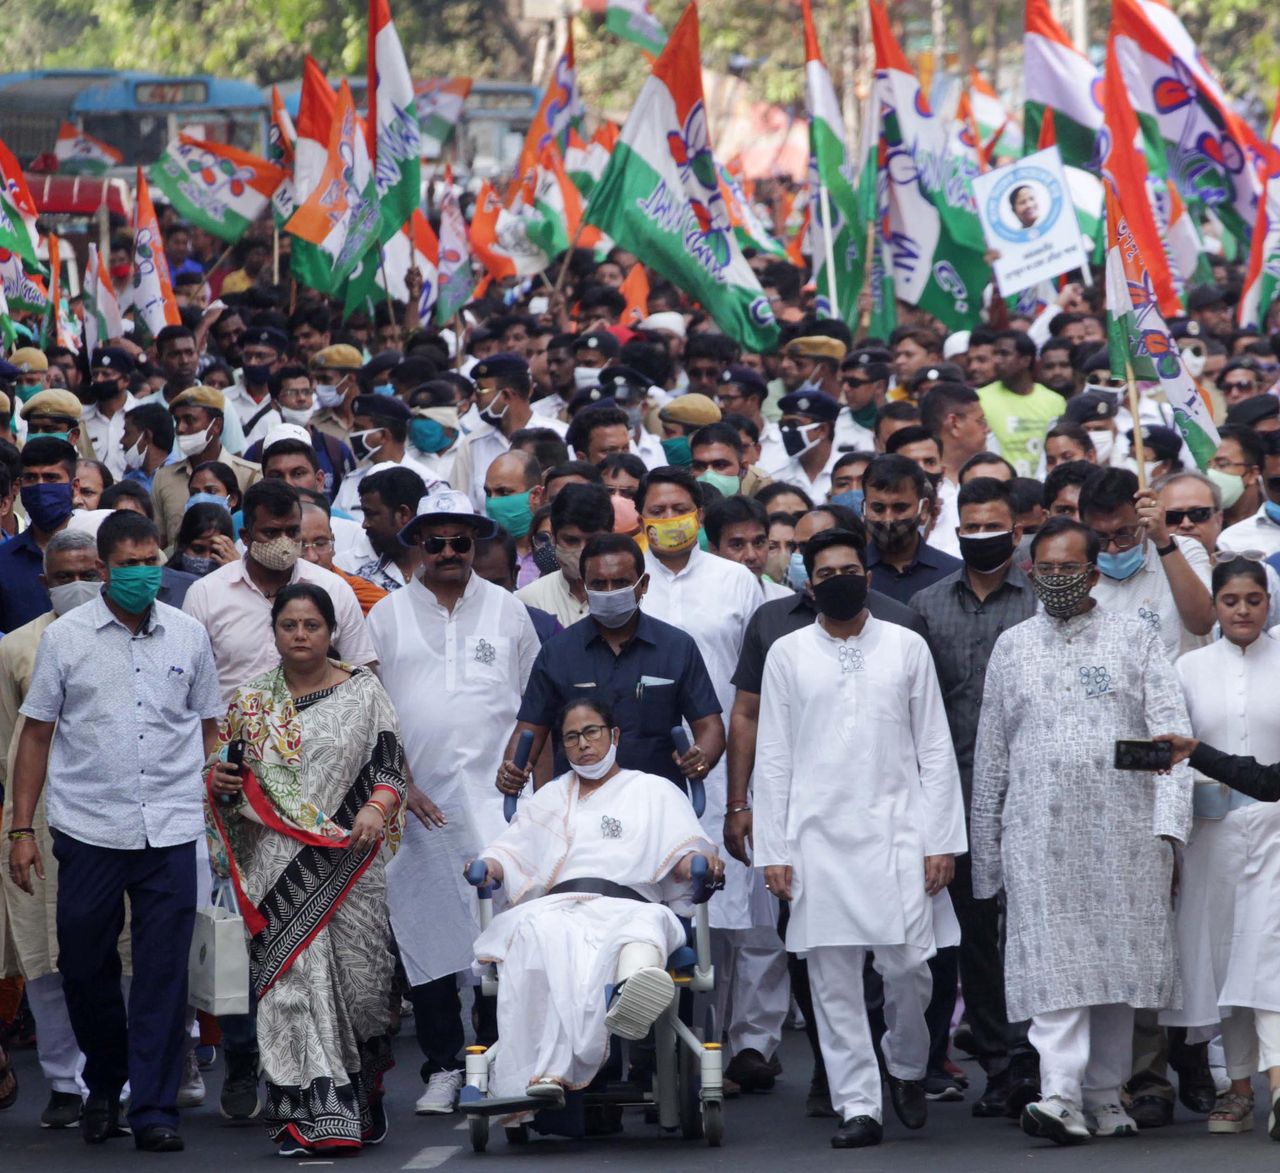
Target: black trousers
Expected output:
[437,1021]
[147,1047]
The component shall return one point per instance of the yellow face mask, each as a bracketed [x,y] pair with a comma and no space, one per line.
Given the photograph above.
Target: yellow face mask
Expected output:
[672,535]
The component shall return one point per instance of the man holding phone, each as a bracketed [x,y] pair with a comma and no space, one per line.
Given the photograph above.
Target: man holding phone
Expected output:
[1082,853]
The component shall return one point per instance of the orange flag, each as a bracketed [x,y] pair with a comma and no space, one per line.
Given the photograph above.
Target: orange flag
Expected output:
[152,290]
[636,290]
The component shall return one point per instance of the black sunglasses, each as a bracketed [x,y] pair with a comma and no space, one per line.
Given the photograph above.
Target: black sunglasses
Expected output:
[1199,515]
[1243,385]
[435,545]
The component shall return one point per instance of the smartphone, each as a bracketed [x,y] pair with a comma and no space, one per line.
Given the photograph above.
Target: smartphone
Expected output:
[1149,756]
[235,757]
[538,306]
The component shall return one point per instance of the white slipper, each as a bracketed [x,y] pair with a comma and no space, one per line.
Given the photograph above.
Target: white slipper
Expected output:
[640,1002]
[545,1089]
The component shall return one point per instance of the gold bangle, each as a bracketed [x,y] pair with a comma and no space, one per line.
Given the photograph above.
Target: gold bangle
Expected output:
[382,810]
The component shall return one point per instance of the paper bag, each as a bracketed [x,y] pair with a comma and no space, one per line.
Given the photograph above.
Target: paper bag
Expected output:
[218,968]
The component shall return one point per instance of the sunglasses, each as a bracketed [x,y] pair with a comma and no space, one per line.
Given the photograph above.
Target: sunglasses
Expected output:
[851,381]
[435,545]
[1198,516]
[1241,385]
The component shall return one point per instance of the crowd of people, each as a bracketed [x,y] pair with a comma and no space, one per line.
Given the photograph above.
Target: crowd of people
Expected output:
[283,593]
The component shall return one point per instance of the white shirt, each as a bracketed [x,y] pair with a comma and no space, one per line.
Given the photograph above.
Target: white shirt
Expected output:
[105,434]
[1146,595]
[649,448]
[793,473]
[851,436]
[775,590]
[551,593]
[549,405]
[244,405]
[943,536]
[348,498]
[480,448]
[1229,697]
[439,464]
[773,453]
[237,616]
[1258,532]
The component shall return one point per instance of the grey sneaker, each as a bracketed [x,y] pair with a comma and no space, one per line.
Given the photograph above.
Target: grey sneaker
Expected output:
[239,1100]
[62,1111]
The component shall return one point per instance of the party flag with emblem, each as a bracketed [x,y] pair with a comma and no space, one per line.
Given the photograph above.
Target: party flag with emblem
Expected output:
[1062,80]
[585,162]
[631,20]
[750,230]
[153,300]
[395,135]
[18,200]
[340,217]
[102,317]
[216,187]
[500,234]
[454,266]
[989,114]
[24,291]
[555,220]
[1140,342]
[1262,276]
[1210,151]
[1085,189]
[385,270]
[81,153]
[281,138]
[660,199]
[934,240]
[440,103]
[560,108]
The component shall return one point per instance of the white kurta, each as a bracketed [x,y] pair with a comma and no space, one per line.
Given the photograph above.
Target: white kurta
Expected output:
[855,783]
[455,679]
[1229,700]
[712,599]
[557,954]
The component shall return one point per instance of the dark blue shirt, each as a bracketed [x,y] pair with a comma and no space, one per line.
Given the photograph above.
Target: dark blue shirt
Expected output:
[930,565]
[22,598]
[655,682]
[545,625]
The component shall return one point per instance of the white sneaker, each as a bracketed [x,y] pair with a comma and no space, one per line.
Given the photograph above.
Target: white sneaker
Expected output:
[191,1090]
[1111,1120]
[441,1096]
[640,1002]
[1057,1119]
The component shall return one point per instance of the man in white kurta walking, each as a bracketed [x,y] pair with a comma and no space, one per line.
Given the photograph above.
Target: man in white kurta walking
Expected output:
[858,819]
[1081,850]
[455,653]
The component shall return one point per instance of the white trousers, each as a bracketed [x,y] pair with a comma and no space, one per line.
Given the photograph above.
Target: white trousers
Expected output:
[56,1047]
[835,977]
[753,992]
[1250,1041]
[1086,1053]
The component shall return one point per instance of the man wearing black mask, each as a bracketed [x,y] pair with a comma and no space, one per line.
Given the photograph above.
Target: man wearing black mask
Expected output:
[965,613]
[103,419]
[895,511]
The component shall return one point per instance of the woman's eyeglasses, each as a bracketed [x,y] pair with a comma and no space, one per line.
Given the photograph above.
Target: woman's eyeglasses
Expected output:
[576,737]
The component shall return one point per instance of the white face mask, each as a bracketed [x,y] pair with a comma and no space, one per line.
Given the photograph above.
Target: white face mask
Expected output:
[195,443]
[71,595]
[597,770]
[298,415]
[1103,443]
[136,456]
[585,377]
[328,395]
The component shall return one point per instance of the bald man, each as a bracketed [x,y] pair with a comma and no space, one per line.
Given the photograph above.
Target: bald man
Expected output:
[513,493]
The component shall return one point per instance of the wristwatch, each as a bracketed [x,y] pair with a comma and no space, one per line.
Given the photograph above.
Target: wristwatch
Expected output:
[1169,549]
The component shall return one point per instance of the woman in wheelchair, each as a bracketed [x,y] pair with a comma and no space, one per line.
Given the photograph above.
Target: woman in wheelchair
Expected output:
[590,864]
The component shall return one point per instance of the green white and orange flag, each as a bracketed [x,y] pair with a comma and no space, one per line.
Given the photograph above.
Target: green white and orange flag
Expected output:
[934,240]
[1085,189]
[440,102]
[555,220]
[153,301]
[1060,79]
[989,114]
[216,187]
[395,136]
[585,162]
[18,212]
[659,197]
[560,108]
[1262,278]
[456,280]
[340,217]
[384,270]
[1140,343]
[831,194]
[281,137]
[500,234]
[81,153]
[750,230]
[59,327]
[632,20]
[316,107]
[102,317]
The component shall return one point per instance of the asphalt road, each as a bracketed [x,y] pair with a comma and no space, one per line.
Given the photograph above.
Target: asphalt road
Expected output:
[765,1133]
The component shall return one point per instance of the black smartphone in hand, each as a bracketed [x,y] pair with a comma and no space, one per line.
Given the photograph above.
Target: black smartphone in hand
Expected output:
[1144,755]
[235,759]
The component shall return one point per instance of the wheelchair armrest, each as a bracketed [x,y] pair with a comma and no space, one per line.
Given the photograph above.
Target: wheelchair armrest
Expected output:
[477,873]
[699,873]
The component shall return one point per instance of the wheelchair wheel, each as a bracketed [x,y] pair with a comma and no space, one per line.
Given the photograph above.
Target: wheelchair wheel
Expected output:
[689,1095]
[518,1134]
[479,1129]
[713,1122]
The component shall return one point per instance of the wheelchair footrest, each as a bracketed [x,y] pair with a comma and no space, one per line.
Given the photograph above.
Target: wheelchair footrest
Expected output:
[478,1105]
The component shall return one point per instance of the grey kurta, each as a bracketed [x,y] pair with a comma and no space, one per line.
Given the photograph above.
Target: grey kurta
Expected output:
[1074,843]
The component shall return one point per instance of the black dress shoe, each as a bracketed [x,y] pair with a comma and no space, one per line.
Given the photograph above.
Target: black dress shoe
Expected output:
[994,1101]
[158,1138]
[100,1121]
[907,1096]
[751,1071]
[1151,1110]
[1196,1088]
[1023,1084]
[858,1132]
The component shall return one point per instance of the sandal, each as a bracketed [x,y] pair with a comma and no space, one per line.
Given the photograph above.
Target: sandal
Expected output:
[8,1080]
[1232,1112]
[1273,1124]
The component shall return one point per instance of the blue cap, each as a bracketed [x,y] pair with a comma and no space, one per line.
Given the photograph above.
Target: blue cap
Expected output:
[112,358]
[745,377]
[266,336]
[384,407]
[8,370]
[816,405]
[500,366]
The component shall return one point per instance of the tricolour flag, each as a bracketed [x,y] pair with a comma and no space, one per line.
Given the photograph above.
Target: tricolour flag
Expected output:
[560,108]
[585,162]
[873,217]
[440,102]
[395,137]
[835,235]
[340,217]
[500,235]
[934,239]
[102,317]
[660,199]
[153,300]
[281,137]
[1210,151]
[989,114]
[455,276]
[316,107]
[58,328]
[1263,274]
[216,187]
[554,220]
[631,20]
[385,270]
[750,230]
[1140,343]
[78,152]
[14,190]
[1085,189]
[1061,79]
[25,292]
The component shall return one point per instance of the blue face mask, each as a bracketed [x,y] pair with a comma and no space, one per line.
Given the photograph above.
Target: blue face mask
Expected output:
[1123,565]
[796,577]
[206,499]
[383,389]
[428,435]
[1273,511]
[851,499]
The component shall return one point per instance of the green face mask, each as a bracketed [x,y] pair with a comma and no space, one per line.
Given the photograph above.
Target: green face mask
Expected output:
[134,588]
[512,513]
[678,451]
[28,390]
[54,436]
[729,486]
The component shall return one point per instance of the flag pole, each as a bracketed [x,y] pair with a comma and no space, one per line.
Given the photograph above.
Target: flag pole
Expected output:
[568,254]
[1139,453]
[275,252]
[829,247]
[864,319]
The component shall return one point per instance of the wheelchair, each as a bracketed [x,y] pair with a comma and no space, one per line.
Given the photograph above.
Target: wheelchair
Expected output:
[686,1090]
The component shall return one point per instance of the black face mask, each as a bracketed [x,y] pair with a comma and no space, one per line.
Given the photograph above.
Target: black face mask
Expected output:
[894,535]
[841,597]
[103,391]
[544,558]
[986,552]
